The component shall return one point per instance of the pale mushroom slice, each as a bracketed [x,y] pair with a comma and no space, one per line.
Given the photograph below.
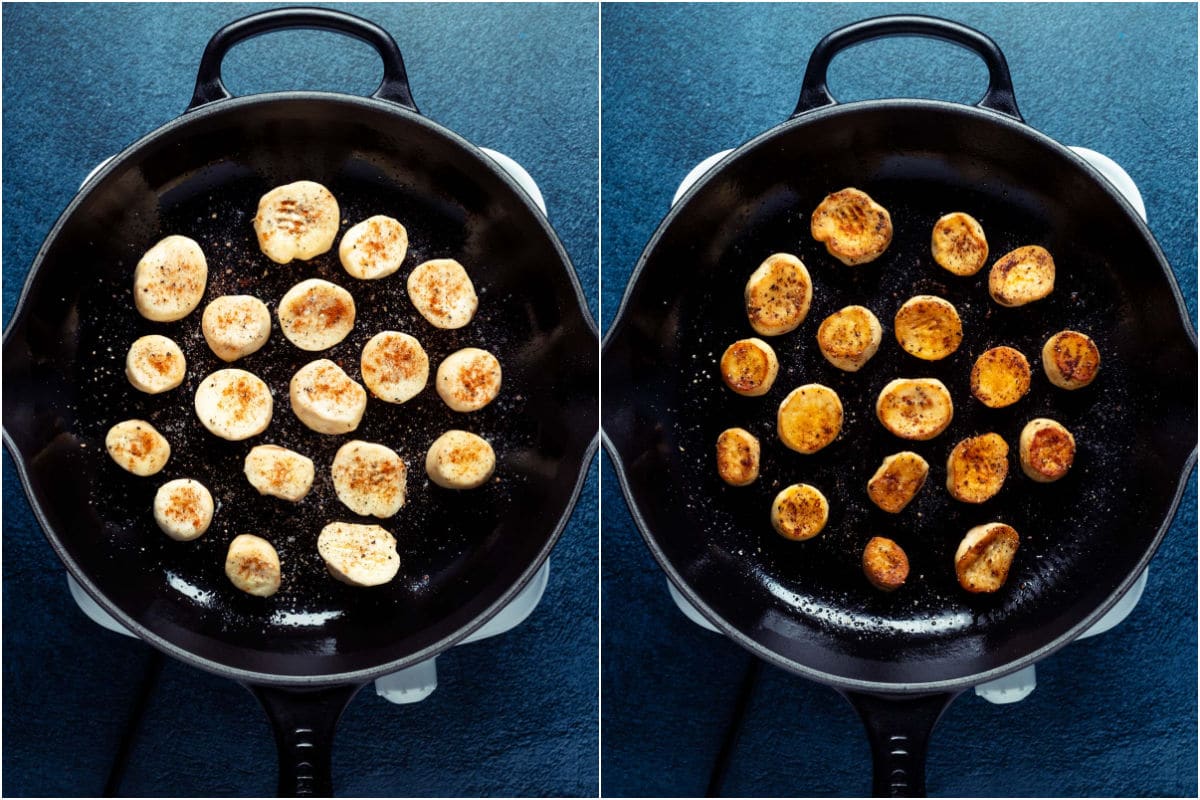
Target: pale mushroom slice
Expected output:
[169,280]
[326,399]
[738,454]
[316,314]
[1070,359]
[1000,377]
[1022,276]
[297,220]
[885,564]
[279,472]
[370,479]
[854,228]
[850,337]
[469,379]
[977,468]
[358,555]
[778,295]
[985,556]
[799,512]
[374,248]
[928,327]
[958,244]
[1047,450]
[809,418]
[155,364]
[749,367]
[441,290]
[252,565]
[394,366]
[915,408]
[234,404]
[897,481]
[137,447]
[460,460]
[183,509]
[235,326]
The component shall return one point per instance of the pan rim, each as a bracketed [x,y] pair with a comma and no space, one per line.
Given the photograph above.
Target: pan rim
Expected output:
[20,311]
[620,321]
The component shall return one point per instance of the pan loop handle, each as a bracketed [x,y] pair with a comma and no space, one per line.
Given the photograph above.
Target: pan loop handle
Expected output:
[210,88]
[814,92]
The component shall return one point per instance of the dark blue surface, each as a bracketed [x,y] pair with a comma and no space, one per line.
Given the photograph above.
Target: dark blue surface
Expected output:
[512,716]
[1113,715]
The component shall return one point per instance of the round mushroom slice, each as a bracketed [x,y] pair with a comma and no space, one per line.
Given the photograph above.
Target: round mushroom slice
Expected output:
[809,418]
[1022,276]
[137,447]
[360,555]
[738,453]
[252,565]
[441,290]
[326,399]
[279,472]
[235,326]
[183,509]
[799,512]
[885,564]
[778,295]
[1070,359]
[298,220]
[370,479]
[977,467]
[469,379]
[958,244]
[985,556]
[850,337]
[374,248]
[854,228]
[749,367]
[928,327]
[394,366]
[234,404]
[169,280]
[155,364]
[915,408]
[1047,450]
[316,314]
[460,460]
[1000,377]
[897,481]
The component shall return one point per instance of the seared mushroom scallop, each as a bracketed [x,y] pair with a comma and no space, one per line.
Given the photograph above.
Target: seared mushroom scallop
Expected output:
[738,453]
[849,337]
[799,512]
[854,228]
[915,408]
[977,467]
[958,245]
[778,295]
[885,564]
[1022,276]
[749,367]
[809,418]
[897,481]
[928,327]
[1000,377]
[1047,450]
[1070,359]
[985,556]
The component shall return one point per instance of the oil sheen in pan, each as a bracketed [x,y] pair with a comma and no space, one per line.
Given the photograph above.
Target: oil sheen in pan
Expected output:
[822,577]
[435,529]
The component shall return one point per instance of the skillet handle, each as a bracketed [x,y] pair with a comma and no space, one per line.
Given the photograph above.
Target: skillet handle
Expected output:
[210,88]
[814,91]
[304,721]
[899,728]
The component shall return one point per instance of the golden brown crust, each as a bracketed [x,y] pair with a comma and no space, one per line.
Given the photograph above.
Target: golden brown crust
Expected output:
[928,327]
[977,467]
[778,295]
[897,481]
[885,564]
[1000,377]
[809,418]
[985,557]
[749,367]
[915,408]
[1070,359]
[799,512]
[738,453]
[854,228]
[850,337]
[1022,276]
[1047,450]
[958,244]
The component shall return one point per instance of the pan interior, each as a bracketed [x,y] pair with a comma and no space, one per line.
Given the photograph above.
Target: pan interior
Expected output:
[807,604]
[460,552]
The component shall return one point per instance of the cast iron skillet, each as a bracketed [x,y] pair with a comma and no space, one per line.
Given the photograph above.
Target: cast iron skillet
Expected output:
[308,649]
[901,658]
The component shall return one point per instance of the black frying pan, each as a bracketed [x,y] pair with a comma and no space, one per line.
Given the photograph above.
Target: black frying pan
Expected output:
[308,649]
[806,607]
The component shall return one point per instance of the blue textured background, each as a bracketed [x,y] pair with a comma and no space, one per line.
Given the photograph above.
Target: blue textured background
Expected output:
[685,711]
[87,711]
